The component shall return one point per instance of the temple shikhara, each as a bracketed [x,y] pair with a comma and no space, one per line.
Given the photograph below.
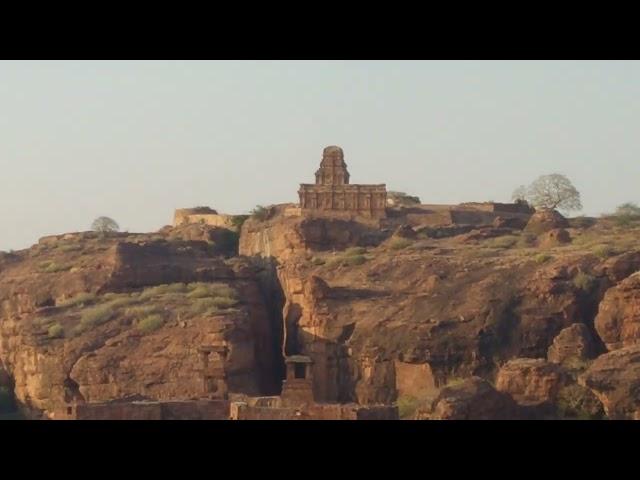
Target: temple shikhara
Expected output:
[333,195]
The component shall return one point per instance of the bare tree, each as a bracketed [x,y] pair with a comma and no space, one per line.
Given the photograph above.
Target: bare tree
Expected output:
[104,225]
[554,191]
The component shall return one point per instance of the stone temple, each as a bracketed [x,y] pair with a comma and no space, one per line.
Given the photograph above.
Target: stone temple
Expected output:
[333,195]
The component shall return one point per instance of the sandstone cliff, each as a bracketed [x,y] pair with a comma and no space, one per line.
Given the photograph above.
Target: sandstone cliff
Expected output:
[459,321]
[389,316]
[86,318]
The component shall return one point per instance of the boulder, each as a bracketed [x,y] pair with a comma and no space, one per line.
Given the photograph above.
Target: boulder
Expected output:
[554,238]
[545,220]
[621,266]
[572,343]
[530,381]
[615,379]
[473,399]
[618,319]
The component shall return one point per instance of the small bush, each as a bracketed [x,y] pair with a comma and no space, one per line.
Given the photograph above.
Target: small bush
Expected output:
[43,321]
[238,220]
[407,406]
[55,331]
[121,302]
[97,315]
[355,251]
[151,292]
[453,381]
[502,242]
[164,289]
[584,281]
[604,251]
[150,324]
[400,243]
[224,302]
[204,290]
[79,329]
[334,262]
[260,213]
[354,260]
[81,300]
[577,402]
[402,199]
[53,267]
[143,311]
[542,258]
[317,261]
[204,306]
[176,288]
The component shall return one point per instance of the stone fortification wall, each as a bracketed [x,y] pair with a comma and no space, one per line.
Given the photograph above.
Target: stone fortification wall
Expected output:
[203,215]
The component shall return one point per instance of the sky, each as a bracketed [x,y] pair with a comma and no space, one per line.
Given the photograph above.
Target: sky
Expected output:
[134,140]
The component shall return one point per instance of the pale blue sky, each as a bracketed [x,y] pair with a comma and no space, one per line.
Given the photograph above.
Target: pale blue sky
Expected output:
[134,140]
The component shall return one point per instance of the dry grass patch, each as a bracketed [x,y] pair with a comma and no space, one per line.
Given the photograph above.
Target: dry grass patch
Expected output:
[55,331]
[97,315]
[506,241]
[150,323]
[400,243]
[80,300]
[50,266]
[584,281]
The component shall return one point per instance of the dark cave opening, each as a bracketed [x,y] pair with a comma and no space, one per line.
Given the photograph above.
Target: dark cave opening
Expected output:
[274,299]
[9,406]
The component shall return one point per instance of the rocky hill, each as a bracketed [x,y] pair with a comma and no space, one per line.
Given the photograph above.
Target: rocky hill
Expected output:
[503,320]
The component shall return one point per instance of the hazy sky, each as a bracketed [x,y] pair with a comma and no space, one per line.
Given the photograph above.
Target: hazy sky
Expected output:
[134,140]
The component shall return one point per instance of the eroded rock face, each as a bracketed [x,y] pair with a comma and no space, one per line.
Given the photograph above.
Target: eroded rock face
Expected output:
[55,352]
[615,379]
[618,319]
[530,381]
[474,399]
[456,314]
[381,321]
[573,342]
[545,220]
[286,237]
[621,266]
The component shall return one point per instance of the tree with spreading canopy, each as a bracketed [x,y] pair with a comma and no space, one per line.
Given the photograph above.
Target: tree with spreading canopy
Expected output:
[628,210]
[551,192]
[104,225]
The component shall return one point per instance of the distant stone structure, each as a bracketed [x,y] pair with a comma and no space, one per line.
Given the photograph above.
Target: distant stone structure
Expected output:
[203,215]
[297,401]
[333,195]
[214,374]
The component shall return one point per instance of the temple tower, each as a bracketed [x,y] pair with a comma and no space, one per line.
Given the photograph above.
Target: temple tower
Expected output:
[333,170]
[333,196]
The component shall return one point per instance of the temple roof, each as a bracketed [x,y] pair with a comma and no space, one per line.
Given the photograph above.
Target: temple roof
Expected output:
[332,150]
[298,359]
